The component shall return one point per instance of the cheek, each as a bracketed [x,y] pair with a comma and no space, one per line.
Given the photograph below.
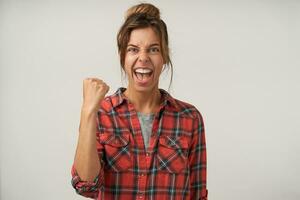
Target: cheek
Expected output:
[129,61]
[158,62]
[129,58]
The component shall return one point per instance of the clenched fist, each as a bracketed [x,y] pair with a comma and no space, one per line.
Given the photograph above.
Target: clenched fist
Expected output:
[94,90]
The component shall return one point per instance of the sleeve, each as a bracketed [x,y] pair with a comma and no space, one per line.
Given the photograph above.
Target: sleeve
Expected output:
[197,161]
[90,188]
[86,188]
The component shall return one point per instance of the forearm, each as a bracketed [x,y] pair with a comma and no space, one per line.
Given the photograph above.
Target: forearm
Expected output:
[86,161]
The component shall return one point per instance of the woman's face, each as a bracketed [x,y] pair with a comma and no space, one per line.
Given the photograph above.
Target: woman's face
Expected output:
[143,60]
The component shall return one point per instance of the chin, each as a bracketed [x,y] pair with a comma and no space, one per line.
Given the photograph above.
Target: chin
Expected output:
[144,88]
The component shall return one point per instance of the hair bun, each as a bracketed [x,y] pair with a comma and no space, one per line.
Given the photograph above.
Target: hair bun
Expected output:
[143,8]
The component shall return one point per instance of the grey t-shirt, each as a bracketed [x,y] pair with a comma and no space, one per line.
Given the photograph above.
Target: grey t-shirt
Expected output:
[146,121]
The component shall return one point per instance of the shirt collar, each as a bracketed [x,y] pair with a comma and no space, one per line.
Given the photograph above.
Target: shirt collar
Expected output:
[118,98]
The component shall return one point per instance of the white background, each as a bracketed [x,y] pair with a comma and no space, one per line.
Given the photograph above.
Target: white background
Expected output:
[236,61]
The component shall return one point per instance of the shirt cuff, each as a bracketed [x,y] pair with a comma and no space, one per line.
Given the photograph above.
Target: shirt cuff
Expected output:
[85,188]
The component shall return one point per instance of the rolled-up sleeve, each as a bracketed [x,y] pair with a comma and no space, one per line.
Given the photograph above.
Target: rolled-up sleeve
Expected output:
[197,161]
[86,188]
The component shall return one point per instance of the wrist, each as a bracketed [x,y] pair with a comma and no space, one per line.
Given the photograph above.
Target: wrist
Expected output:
[87,111]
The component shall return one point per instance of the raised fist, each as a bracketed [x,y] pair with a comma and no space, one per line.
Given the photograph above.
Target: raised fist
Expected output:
[94,91]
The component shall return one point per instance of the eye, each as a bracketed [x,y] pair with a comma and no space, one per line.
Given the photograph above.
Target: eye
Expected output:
[154,50]
[132,50]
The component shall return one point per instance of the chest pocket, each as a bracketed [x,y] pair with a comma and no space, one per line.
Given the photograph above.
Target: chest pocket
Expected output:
[117,155]
[172,154]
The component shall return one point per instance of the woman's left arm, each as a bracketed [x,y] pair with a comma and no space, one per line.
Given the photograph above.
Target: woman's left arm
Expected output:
[197,161]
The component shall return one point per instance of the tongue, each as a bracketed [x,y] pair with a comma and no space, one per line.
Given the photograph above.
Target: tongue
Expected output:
[141,76]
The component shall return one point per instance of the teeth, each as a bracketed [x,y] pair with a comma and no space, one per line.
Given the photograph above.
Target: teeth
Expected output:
[143,71]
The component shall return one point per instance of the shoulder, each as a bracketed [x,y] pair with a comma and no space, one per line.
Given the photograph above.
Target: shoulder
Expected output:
[106,104]
[186,109]
[111,101]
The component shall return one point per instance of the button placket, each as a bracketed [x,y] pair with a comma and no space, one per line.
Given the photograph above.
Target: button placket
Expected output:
[141,195]
[141,185]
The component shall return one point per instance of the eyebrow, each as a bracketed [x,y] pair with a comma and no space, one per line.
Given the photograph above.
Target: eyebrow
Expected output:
[151,45]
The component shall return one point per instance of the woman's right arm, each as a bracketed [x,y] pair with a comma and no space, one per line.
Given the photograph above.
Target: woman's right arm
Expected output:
[86,160]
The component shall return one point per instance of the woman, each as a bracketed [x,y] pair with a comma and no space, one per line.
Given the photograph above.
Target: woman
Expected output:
[140,142]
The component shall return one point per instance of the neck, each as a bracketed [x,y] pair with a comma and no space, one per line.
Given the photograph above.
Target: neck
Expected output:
[144,102]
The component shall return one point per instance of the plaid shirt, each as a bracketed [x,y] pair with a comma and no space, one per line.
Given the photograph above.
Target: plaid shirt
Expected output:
[174,165]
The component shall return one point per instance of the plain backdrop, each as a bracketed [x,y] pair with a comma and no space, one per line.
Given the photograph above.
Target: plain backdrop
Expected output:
[236,61]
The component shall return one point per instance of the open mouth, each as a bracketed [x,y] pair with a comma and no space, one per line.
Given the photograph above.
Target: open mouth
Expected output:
[143,74]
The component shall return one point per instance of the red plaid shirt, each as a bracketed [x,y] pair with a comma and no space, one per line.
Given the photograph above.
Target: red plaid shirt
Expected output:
[173,167]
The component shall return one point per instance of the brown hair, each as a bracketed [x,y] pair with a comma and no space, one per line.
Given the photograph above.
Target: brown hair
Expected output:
[142,16]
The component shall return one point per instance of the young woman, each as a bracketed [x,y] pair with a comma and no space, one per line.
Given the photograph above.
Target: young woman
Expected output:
[140,142]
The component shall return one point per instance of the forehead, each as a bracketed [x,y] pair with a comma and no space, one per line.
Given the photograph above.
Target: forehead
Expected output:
[143,37]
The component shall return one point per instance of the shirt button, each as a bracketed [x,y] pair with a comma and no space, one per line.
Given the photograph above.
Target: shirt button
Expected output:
[148,154]
[141,195]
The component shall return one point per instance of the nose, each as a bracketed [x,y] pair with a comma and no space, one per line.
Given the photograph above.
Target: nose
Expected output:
[143,57]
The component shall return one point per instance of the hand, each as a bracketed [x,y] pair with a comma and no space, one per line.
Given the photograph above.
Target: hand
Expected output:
[94,91]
